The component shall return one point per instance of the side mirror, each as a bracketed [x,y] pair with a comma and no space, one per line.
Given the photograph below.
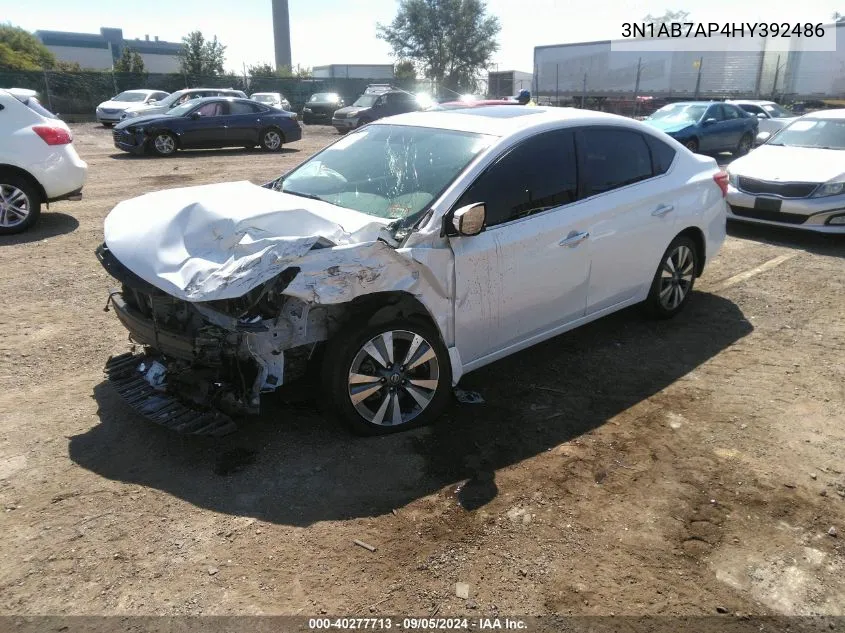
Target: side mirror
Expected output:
[194,116]
[762,137]
[469,220]
[709,121]
[152,101]
[761,115]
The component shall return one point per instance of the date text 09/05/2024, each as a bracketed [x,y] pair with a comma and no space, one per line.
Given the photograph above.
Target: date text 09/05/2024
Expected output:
[418,624]
[720,29]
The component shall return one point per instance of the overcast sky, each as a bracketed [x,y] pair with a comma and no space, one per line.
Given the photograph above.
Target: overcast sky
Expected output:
[343,31]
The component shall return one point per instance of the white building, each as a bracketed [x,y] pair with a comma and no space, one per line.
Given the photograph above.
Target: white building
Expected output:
[99,51]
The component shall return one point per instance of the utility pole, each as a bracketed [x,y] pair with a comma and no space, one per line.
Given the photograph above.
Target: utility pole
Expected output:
[637,84]
[584,92]
[49,97]
[557,85]
[775,85]
[698,79]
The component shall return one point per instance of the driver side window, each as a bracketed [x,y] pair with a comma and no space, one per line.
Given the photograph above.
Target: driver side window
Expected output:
[714,112]
[538,174]
[210,110]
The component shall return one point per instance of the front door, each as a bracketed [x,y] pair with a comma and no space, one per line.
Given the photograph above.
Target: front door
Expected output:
[714,136]
[206,126]
[527,273]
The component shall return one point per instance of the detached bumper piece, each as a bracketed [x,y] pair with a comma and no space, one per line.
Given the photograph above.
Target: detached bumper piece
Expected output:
[137,390]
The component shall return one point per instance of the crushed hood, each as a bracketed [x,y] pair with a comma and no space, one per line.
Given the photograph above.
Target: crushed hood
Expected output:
[220,241]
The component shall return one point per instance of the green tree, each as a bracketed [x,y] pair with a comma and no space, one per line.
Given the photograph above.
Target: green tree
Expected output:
[200,56]
[21,50]
[666,18]
[405,71]
[451,41]
[261,70]
[130,62]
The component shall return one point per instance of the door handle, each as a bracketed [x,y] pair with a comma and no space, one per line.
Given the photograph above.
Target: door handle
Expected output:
[663,209]
[573,239]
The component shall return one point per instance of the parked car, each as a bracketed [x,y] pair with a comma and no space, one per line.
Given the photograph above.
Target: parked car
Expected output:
[109,112]
[321,107]
[772,116]
[273,99]
[707,126]
[178,98]
[459,105]
[207,123]
[38,163]
[401,257]
[796,178]
[376,103]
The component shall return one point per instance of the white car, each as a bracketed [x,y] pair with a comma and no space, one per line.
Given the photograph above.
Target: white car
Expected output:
[410,252]
[109,112]
[772,116]
[38,163]
[272,99]
[178,98]
[796,179]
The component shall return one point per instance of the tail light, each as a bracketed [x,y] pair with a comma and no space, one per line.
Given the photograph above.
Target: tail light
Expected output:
[53,135]
[722,180]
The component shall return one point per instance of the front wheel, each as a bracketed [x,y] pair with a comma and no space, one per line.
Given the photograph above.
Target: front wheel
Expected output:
[271,140]
[20,204]
[163,144]
[387,377]
[674,279]
[744,146]
[692,145]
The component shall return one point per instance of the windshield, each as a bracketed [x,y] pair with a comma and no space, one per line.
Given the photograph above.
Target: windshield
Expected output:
[387,171]
[324,97]
[679,112]
[774,110]
[130,97]
[818,133]
[264,98]
[365,101]
[183,109]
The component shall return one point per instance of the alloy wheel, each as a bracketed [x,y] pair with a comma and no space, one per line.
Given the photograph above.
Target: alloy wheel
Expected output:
[393,378]
[676,277]
[164,144]
[14,206]
[272,140]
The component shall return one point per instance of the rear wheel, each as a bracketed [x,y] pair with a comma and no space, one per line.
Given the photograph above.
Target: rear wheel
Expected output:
[163,144]
[271,139]
[674,279]
[20,204]
[387,377]
[744,146]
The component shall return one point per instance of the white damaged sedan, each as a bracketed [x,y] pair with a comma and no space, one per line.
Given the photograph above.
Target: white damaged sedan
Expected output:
[399,258]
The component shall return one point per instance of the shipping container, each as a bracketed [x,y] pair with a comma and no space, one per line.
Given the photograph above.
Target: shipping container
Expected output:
[813,74]
[507,83]
[353,71]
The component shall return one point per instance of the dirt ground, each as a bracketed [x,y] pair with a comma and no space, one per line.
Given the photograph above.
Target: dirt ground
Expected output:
[629,467]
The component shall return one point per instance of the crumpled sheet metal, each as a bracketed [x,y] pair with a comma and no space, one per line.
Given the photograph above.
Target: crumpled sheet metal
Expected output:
[219,241]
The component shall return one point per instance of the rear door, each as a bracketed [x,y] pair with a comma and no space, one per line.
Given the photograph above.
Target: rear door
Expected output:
[243,123]
[736,125]
[209,128]
[632,206]
[527,272]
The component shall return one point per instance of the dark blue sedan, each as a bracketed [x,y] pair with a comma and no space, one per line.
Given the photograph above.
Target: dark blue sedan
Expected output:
[208,123]
[705,126]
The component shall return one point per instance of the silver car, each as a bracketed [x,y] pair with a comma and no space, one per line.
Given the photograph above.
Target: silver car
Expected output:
[273,99]
[772,116]
[795,179]
[110,112]
[178,98]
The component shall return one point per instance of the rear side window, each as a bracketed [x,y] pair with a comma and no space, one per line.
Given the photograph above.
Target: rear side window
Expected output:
[237,107]
[731,112]
[538,174]
[33,104]
[661,155]
[610,158]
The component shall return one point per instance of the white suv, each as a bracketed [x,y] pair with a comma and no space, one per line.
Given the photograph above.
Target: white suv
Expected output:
[38,163]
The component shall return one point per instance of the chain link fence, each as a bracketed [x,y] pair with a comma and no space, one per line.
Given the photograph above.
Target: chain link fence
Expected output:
[77,94]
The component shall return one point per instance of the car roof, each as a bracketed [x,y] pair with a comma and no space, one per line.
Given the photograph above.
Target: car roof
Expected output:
[266,93]
[838,113]
[505,120]
[144,90]
[221,98]
[21,93]
[750,102]
[674,103]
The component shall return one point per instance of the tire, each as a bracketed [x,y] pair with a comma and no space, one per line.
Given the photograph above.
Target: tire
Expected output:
[692,145]
[673,282]
[745,145]
[107,124]
[307,120]
[421,392]
[163,144]
[20,204]
[362,123]
[272,139]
